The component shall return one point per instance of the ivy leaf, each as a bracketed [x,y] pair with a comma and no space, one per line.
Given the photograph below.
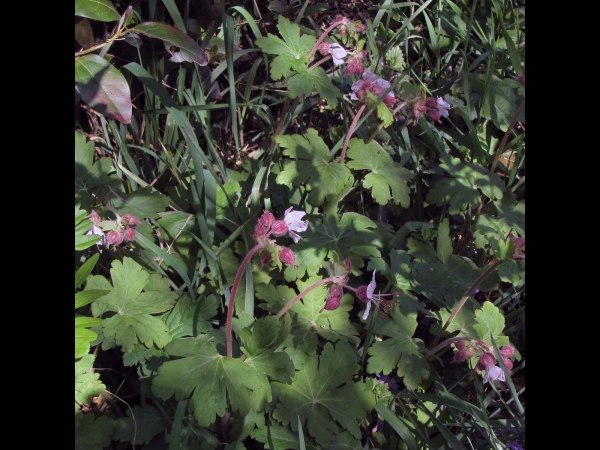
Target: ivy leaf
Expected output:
[192,319]
[292,51]
[143,422]
[208,377]
[402,351]
[142,203]
[102,10]
[305,81]
[387,178]
[353,233]
[133,320]
[313,166]
[93,433]
[463,188]
[490,322]
[316,393]
[103,87]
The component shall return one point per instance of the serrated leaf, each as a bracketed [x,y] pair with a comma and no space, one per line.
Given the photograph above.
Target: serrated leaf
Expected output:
[83,337]
[353,233]
[510,218]
[463,322]
[305,81]
[192,319]
[313,166]
[490,322]
[401,351]
[512,271]
[143,203]
[324,396]
[87,382]
[93,433]
[444,243]
[102,10]
[462,190]
[144,422]
[103,87]
[133,320]
[384,114]
[208,378]
[188,49]
[292,51]
[387,179]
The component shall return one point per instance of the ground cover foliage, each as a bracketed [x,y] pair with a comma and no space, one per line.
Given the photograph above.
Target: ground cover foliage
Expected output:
[299,224]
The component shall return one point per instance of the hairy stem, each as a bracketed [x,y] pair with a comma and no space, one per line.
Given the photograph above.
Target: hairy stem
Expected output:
[351,131]
[465,298]
[323,36]
[302,294]
[231,307]
[318,63]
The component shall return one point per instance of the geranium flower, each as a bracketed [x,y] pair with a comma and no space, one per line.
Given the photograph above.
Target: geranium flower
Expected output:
[335,50]
[370,84]
[494,373]
[292,219]
[367,295]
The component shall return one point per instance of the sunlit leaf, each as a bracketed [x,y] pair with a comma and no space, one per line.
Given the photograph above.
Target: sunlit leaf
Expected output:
[102,10]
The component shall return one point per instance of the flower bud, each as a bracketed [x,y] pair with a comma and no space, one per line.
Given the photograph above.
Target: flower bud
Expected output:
[260,231]
[334,297]
[508,363]
[287,256]
[129,235]
[94,217]
[464,354]
[360,27]
[507,351]
[361,293]
[265,257]
[279,228]
[431,102]
[266,219]
[348,264]
[114,238]
[486,360]
[324,48]
[130,220]
[459,344]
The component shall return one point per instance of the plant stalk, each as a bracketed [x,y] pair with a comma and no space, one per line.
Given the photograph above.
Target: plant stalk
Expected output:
[351,131]
[302,294]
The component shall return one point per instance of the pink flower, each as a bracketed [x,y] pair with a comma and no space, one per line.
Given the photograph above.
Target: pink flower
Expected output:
[366,294]
[279,228]
[485,360]
[338,53]
[373,85]
[130,220]
[434,108]
[494,373]
[114,238]
[507,351]
[334,297]
[129,235]
[292,219]
[355,63]
[95,218]
[287,257]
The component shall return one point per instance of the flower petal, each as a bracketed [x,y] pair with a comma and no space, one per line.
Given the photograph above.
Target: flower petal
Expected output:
[367,309]
[371,287]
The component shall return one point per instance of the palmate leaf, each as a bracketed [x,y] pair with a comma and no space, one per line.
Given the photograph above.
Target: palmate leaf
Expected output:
[192,319]
[305,82]
[93,433]
[493,230]
[134,308]
[209,378]
[490,323]
[386,179]
[462,190]
[313,166]
[324,396]
[353,233]
[144,422]
[87,383]
[292,52]
[402,351]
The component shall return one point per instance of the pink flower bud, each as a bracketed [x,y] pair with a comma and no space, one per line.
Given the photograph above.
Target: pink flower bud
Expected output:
[508,363]
[360,28]
[334,297]
[259,230]
[130,220]
[486,360]
[361,293]
[324,48]
[433,114]
[431,102]
[94,217]
[279,228]
[459,344]
[266,219]
[348,264]
[287,256]
[507,351]
[389,100]
[265,257]
[114,238]
[129,235]
[464,354]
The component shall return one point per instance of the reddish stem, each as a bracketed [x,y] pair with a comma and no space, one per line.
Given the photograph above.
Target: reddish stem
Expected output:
[231,307]
[323,36]
[302,294]
[350,131]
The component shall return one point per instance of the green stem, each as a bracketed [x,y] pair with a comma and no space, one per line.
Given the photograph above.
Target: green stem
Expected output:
[350,131]
[302,294]
[102,44]
[231,307]
[465,298]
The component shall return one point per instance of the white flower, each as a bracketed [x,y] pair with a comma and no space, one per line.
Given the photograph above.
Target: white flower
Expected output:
[442,107]
[338,53]
[292,220]
[379,300]
[494,373]
[97,230]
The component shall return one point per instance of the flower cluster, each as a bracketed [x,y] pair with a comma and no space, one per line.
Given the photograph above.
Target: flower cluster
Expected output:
[487,360]
[336,290]
[434,108]
[337,52]
[118,231]
[370,89]
[519,246]
[267,226]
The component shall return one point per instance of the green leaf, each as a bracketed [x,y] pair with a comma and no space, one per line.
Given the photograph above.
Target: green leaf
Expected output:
[402,351]
[87,382]
[189,50]
[324,396]
[103,87]
[500,104]
[444,243]
[384,114]
[144,422]
[142,203]
[87,267]
[313,166]
[86,297]
[192,319]
[208,378]
[102,10]
[463,322]
[352,234]
[133,320]
[292,51]
[83,337]
[305,81]
[490,322]
[493,230]
[93,433]
[462,190]
[387,179]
